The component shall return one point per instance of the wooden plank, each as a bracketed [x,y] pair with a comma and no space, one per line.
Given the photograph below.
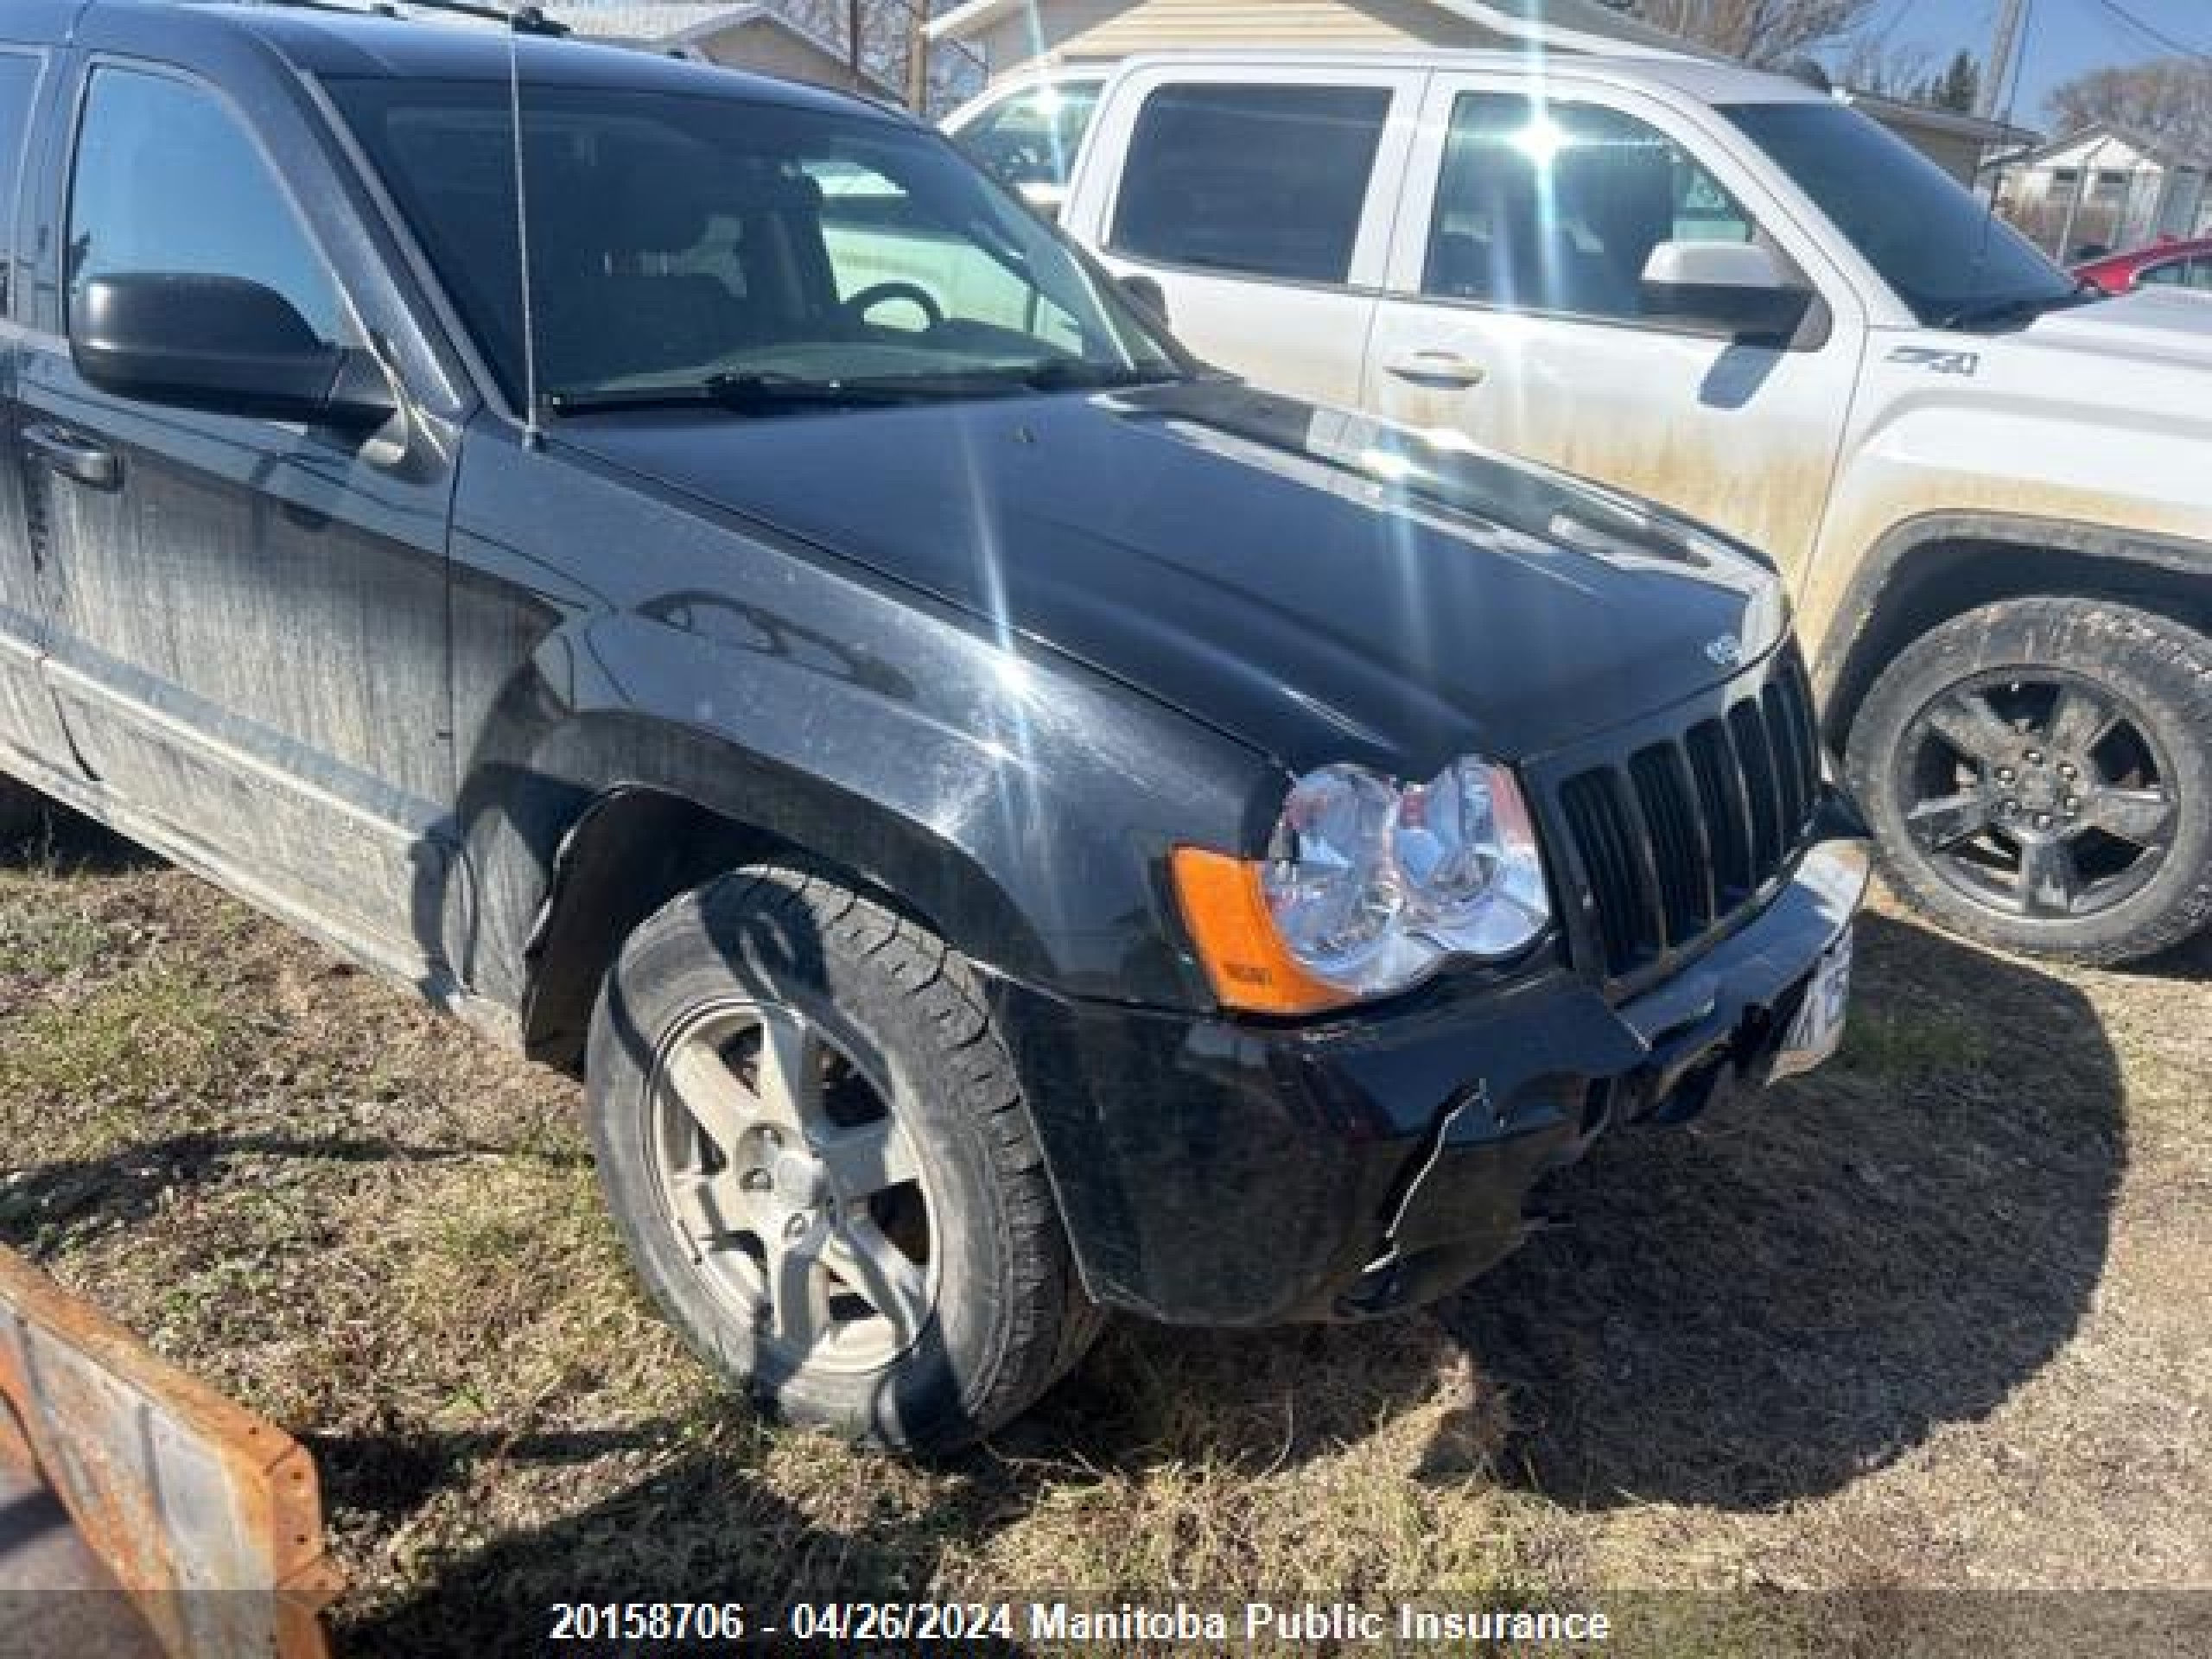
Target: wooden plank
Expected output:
[207,1515]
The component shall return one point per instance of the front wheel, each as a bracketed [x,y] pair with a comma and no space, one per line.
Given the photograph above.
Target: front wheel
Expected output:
[2039,774]
[815,1147]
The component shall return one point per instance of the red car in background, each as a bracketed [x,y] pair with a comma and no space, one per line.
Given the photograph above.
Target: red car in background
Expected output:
[2170,264]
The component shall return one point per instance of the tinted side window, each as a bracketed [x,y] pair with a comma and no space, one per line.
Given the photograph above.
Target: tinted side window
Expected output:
[1557,208]
[1268,180]
[18,87]
[166,179]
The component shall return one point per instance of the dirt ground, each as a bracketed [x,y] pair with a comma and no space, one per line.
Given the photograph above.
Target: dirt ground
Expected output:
[1914,1352]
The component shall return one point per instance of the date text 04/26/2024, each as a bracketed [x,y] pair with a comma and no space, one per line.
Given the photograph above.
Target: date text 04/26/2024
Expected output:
[911,1622]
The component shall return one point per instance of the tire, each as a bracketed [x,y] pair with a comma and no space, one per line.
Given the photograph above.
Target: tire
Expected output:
[2038,773]
[978,1312]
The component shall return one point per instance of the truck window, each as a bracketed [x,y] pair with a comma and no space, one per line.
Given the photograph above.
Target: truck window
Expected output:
[1557,206]
[1942,251]
[1031,137]
[1263,180]
[166,179]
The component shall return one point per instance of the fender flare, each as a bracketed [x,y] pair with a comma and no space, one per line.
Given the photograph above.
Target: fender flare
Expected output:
[1994,556]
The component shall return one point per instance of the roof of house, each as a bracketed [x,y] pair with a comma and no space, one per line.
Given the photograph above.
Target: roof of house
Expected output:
[1898,111]
[1575,25]
[2158,150]
[666,24]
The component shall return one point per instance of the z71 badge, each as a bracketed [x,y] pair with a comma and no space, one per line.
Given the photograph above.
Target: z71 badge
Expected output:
[1937,361]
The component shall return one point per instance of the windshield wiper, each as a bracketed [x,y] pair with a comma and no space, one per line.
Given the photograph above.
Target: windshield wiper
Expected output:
[1995,314]
[1079,374]
[767,392]
[741,393]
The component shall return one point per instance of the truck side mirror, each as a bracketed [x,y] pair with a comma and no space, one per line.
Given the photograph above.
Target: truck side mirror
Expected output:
[221,344]
[1738,288]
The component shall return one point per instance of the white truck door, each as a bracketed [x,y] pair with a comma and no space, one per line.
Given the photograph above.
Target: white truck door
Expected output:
[1516,316]
[1259,199]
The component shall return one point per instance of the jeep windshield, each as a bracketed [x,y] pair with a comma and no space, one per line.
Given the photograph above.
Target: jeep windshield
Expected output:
[1955,264]
[737,251]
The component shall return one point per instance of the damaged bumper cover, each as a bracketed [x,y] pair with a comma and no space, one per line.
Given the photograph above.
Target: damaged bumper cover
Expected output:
[1357,1165]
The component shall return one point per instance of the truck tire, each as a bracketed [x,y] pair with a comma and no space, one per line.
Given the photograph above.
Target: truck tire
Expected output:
[815,1145]
[2039,774]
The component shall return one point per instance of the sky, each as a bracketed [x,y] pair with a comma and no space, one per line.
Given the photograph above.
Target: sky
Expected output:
[2064,37]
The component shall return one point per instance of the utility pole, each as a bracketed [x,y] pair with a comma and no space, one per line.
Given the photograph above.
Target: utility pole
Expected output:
[2002,52]
[856,51]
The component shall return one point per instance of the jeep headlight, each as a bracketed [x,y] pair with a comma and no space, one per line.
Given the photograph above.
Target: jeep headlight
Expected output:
[1368,887]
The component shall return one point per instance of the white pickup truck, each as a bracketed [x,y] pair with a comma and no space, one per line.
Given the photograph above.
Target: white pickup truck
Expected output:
[1732,294]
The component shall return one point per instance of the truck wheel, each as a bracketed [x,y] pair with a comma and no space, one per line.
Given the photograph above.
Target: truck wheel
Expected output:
[2039,773]
[814,1145]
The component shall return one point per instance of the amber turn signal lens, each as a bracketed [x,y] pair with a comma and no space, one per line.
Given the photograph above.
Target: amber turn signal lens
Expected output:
[1250,968]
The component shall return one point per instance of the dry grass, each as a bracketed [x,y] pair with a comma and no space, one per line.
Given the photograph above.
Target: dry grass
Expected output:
[1917,1349]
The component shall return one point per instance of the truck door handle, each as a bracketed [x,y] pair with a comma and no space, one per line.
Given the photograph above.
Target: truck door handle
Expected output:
[72,456]
[1439,369]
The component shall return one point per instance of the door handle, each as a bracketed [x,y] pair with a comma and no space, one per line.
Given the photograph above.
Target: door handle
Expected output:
[73,455]
[1439,369]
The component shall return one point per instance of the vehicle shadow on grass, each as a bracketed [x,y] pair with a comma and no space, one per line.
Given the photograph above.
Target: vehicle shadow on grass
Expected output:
[42,1203]
[704,1528]
[1798,1291]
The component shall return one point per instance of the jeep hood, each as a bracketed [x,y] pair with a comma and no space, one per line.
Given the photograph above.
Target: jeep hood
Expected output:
[1317,584]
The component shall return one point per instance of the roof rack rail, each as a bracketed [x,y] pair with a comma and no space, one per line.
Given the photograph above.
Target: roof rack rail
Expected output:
[522,19]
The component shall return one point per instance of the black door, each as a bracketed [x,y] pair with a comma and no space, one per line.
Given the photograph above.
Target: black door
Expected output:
[248,635]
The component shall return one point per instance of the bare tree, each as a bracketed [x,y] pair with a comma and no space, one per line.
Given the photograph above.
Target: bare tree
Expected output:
[1767,33]
[2169,100]
[1877,64]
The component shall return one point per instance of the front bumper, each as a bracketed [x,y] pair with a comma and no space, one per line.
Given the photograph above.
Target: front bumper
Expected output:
[1218,1172]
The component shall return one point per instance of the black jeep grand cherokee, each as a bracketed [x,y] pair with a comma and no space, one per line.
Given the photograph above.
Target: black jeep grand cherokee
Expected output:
[1009,823]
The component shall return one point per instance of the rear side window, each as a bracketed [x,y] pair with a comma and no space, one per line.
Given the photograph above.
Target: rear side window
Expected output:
[1557,206]
[18,88]
[168,181]
[1262,180]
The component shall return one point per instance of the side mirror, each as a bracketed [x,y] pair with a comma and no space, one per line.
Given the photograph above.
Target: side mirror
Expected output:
[1147,295]
[1738,287]
[221,344]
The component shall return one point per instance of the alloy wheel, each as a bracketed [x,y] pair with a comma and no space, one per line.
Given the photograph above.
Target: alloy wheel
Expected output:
[792,1187]
[2043,798]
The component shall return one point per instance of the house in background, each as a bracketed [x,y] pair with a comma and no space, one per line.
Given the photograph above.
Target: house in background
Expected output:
[756,37]
[1954,140]
[1018,39]
[2104,188]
